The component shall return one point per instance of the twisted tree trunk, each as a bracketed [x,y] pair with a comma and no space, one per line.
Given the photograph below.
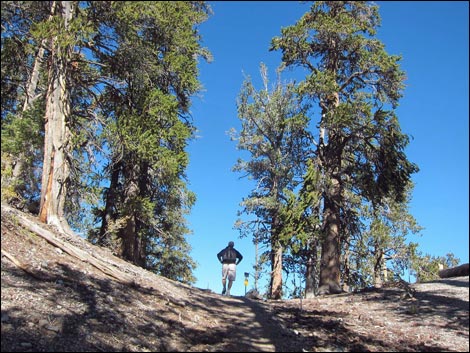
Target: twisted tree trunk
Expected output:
[56,170]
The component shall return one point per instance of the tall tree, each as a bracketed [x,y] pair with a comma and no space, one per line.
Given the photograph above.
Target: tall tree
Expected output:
[274,133]
[50,36]
[22,112]
[151,67]
[56,169]
[300,233]
[117,80]
[355,85]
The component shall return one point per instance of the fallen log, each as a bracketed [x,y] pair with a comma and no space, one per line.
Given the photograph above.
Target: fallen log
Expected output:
[19,264]
[458,271]
[70,249]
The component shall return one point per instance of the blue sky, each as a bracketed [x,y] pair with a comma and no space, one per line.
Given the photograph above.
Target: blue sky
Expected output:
[431,37]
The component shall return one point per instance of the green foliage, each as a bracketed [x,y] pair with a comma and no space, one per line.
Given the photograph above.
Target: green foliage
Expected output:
[152,74]
[355,85]
[274,133]
[131,72]
[383,242]
[23,136]
[300,214]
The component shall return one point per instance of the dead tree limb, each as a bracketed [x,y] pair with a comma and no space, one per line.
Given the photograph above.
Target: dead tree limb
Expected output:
[458,271]
[20,265]
[74,251]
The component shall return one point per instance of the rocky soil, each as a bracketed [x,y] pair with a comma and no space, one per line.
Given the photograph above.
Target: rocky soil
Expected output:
[76,297]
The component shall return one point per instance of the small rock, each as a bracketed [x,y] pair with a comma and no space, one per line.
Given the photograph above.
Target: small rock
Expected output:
[55,328]
[43,323]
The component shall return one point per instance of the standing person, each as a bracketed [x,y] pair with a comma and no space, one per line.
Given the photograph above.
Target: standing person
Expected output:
[229,258]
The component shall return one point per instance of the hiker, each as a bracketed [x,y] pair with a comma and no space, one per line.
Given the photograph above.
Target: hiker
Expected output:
[228,258]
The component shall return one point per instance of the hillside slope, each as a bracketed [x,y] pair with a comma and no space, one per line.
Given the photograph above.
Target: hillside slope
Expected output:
[75,297]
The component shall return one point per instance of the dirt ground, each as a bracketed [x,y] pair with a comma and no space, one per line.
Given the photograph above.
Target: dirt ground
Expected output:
[52,301]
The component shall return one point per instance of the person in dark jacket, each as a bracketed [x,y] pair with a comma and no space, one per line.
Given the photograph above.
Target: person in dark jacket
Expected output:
[229,258]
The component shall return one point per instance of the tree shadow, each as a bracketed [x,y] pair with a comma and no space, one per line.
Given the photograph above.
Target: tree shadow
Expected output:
[88,311]
[323,330]
[75,298]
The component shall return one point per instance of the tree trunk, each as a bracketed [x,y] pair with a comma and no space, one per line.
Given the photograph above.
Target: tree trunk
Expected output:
[110,204]
[310,279]
[55,176]
[276,272]
[132,248]
[346,267]
[276,248]
[378,268]
[256,267]
[330,257]
[310,273]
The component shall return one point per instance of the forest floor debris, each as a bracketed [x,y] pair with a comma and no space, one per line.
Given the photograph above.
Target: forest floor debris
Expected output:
[54,301]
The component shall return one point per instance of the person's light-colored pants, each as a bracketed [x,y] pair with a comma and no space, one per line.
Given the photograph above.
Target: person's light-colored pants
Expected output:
[229,271]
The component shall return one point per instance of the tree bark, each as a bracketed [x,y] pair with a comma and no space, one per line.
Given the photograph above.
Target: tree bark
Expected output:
[310,278]
[276,272]
[378,267]
[110,204]
[330,257]
[56,170]
[346,267]
[276,248]
[132,248]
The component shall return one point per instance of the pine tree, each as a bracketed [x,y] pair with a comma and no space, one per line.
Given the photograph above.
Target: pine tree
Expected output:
[108,96]
[151,72]
[274,133]
[22,110]
[355,86]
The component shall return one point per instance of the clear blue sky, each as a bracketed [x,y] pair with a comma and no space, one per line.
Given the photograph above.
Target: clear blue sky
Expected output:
[432,38]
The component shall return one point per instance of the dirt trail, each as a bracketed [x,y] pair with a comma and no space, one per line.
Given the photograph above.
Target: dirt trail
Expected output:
[57,302]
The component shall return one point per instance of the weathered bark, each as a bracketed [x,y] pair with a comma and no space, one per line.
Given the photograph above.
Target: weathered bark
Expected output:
[73,250]
[56,171]
[462,270]
[276,248]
